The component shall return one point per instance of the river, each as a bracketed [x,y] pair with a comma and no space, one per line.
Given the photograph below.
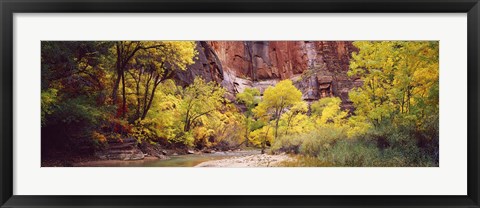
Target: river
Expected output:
[189,160]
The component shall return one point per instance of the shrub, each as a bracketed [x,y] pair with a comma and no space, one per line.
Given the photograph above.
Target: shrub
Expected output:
[143,130]
[262,136]
[321,140]
[351,154]
[365,153]
[99,140]
[289,144]
[311,143]
[68,127]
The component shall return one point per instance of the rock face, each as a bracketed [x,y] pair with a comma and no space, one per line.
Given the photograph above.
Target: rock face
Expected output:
[318,68]
[262,60]
[207,65]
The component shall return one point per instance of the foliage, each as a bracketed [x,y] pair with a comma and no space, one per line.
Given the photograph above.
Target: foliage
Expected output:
[357,126]
[288,143]
[99,139]
[156,59]
[321,140]
[366,154]
[249,98]
[196,115]
[400,81]
[399,97]
[329,112]
[222,129]
[72,124]
[48,102]
[295,120]
[200,99]
[276,100]
[262,136]
[163,121]
[310,143]
[293,125]
[152,66]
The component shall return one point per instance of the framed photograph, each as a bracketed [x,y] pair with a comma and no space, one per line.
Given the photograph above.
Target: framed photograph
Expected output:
[212,103]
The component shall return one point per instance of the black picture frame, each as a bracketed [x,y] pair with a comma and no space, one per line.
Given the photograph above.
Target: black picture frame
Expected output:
[9,7]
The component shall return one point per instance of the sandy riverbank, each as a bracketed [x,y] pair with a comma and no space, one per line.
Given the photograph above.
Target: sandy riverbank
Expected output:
[260,160]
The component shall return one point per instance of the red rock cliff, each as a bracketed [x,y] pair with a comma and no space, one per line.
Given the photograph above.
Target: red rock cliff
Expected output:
[318,68]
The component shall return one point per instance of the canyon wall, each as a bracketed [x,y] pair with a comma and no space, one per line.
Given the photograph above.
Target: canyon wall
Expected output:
[318,68]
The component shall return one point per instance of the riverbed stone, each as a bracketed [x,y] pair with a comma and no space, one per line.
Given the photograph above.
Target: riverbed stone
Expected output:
[125,149]
[256,160]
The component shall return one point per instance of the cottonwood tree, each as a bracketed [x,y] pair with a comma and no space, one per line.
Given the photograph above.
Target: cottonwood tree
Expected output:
[297,109]
[154,66]
[276,100]
[200,99]
[400,81]
[125,52]
[249,97]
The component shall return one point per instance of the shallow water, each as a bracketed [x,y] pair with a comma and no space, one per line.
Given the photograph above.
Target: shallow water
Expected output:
[174,161]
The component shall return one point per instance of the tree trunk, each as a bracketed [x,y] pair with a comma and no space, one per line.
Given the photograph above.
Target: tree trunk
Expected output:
[264,143]
[139,100]
[247,129]
[187,125]
[118,71]
[186,128]
[124,100]
[276,127]
[288,123]
[152,95]
[115,88]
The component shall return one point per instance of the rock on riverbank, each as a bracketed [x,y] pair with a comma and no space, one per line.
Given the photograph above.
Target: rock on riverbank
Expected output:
[260,160]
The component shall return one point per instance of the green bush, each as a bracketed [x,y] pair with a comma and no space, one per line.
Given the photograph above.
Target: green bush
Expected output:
[365,153]
[351,154]
[69,125]
[405,145]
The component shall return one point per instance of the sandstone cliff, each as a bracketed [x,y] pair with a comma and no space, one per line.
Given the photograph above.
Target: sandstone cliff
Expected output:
[318,68]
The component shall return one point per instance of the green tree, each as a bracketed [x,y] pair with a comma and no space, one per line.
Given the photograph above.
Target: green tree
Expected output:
[249,97]
[48,101]
[74,85]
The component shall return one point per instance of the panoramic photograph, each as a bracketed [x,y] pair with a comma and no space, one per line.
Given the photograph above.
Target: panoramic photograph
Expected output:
[240,104]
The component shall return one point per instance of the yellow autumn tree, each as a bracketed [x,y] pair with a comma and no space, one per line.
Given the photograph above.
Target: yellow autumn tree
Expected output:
[276,100]
[296,120]
[328,112]
[154,65]
[400,82]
